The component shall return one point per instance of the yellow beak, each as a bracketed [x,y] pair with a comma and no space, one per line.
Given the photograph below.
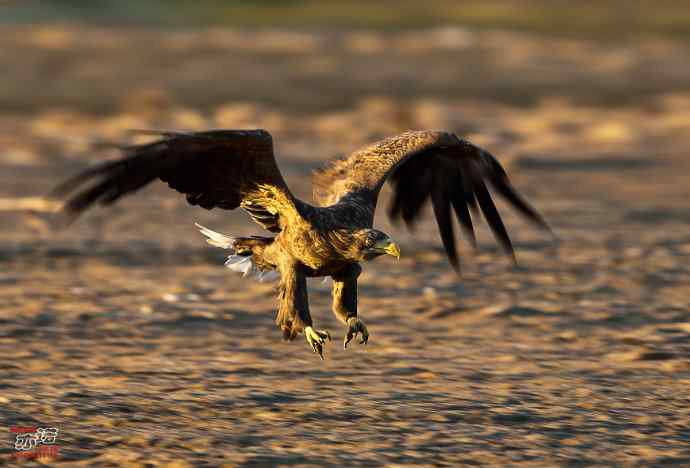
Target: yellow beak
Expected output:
[389,247]
[393,250]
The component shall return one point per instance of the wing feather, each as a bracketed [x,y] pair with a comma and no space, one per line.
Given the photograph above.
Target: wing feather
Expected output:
[216,169]
[441,205]
[463,214]
[486,204]
[422,165]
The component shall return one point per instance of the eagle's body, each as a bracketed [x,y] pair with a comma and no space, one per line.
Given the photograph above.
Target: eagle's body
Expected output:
[236,169]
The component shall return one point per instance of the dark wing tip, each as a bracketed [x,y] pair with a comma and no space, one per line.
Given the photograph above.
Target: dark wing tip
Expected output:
[462,213]
[498,179]
[102,184]
[69,185]
[494,173]
[72,205]
[505,189]
[441,205]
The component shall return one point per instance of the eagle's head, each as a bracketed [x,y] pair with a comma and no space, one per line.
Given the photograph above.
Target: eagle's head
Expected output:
[371,243]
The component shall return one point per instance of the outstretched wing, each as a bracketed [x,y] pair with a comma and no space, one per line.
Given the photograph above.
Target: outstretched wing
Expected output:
[220,168]
[421,165]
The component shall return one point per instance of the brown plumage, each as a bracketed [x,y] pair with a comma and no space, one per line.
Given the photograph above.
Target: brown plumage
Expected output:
[236,169]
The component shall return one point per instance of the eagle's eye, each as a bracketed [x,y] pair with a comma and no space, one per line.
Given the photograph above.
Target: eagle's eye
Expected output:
[369,242]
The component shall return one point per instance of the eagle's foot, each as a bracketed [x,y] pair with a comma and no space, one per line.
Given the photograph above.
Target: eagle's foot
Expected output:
[316,339]
[354,326]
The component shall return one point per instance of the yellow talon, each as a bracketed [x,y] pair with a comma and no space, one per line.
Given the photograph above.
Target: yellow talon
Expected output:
[316,339]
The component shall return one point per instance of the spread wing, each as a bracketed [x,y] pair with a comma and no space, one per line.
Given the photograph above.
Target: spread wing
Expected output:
[424,165]
[220,168]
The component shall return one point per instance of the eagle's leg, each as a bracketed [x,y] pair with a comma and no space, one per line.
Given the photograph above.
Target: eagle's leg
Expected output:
[293,313]
[345,302]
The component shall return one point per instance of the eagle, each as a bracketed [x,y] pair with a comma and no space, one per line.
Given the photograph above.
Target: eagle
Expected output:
[332,236]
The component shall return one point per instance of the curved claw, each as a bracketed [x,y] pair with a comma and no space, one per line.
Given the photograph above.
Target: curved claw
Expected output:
[355,326]
[316,339]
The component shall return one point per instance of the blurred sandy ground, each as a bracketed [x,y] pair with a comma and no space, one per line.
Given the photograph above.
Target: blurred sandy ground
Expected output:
[126,332]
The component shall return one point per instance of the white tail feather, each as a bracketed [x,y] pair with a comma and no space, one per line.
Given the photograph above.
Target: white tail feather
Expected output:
[245,265]
[239,263]
[216,238]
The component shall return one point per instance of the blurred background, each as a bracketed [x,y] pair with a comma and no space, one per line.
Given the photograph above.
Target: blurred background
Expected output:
[126,332]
